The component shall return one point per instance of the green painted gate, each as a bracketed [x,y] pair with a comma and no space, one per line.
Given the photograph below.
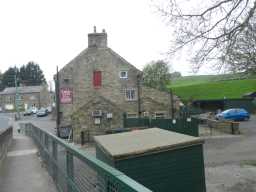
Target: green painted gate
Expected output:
[188,126]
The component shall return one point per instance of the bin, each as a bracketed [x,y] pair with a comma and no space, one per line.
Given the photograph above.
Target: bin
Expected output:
[158,159]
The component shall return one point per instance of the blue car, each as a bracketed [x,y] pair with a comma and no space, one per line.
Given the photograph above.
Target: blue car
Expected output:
[237,114]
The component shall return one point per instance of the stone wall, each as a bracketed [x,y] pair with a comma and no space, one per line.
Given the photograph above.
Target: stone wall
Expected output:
[5,142]
[84,121]
[229,127]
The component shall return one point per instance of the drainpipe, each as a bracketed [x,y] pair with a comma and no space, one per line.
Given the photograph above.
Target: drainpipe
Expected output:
[138,90]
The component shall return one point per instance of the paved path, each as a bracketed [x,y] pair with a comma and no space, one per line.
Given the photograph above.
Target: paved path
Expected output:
[22,170]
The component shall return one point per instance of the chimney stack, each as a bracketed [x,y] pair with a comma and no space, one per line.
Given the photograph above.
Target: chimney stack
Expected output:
[98,40]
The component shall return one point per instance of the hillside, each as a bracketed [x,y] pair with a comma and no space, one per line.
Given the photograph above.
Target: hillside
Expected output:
[202,79]
[203,88]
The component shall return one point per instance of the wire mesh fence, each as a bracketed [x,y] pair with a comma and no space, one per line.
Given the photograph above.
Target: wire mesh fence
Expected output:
[74,170]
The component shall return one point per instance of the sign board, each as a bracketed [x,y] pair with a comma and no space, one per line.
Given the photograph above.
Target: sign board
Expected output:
[64,132]
[66,95]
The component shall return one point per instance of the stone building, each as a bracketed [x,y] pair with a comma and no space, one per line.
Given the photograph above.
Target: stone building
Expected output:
[98,86]
[29,96]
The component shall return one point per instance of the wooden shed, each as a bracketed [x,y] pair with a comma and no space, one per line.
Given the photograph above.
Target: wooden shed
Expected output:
[158,159]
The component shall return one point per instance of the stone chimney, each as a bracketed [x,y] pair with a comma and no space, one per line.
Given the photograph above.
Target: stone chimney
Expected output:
[97,39]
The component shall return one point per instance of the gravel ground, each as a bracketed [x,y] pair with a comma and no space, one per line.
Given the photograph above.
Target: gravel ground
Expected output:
[230,160]
[231,178]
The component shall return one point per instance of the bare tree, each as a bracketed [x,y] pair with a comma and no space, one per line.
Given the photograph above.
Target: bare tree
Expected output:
[211,27]
[240,56]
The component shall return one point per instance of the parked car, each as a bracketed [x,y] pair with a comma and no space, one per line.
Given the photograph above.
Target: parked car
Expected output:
[28,112]
[237,114]
[41,112]
[34,109]
[49,109]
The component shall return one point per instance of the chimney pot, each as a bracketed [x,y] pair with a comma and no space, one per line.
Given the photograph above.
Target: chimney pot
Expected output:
[97,39]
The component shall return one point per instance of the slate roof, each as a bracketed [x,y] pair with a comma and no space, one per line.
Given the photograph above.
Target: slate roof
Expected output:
[25,89]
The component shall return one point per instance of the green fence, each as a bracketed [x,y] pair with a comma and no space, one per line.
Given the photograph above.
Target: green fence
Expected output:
[186,125]
[74,170]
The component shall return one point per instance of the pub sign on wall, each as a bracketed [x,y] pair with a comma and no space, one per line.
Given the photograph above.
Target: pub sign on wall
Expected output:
[66,95]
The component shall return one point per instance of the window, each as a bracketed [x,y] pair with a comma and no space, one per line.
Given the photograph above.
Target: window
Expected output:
[159,115]
[123,74]
[130,94]
[66,80]
[146,114]
[97,79]
[132,115]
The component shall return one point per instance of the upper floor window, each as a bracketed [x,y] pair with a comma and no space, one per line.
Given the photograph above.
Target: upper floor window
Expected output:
[123,74]
[97,79]
[130,94]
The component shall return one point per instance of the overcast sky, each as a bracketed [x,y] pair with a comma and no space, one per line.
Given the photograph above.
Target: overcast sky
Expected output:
[52,32]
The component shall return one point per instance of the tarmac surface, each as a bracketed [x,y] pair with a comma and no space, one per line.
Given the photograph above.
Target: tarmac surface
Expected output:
[230,161]
[22,170]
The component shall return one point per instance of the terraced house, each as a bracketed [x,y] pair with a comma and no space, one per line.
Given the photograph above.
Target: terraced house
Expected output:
[98,86]
[29,96]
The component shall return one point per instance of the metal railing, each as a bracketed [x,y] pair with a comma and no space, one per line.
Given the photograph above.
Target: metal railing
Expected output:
[5,141]
[74,170]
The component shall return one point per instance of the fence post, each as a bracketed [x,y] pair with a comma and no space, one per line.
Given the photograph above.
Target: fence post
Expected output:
[70,170]
[82,137]
[54,161]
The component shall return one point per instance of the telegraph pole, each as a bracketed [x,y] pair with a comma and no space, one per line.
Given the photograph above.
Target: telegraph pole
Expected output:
[57,103]
[17,104]
[172,104]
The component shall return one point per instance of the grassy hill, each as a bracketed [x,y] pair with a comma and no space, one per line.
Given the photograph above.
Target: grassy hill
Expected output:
[201,79]
[212,87]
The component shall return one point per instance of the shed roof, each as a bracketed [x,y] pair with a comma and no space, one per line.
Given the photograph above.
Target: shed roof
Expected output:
[124,145]
[25,89]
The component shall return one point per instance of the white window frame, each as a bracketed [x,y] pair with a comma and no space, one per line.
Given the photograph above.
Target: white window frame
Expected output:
[128,96]
[146,114]
[160,115]
[126,75]
[132,115]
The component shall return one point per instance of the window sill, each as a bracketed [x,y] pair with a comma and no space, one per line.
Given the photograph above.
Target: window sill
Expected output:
[131,100]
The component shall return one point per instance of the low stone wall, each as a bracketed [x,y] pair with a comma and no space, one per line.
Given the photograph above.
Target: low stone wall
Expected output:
[5,142]
[229,127]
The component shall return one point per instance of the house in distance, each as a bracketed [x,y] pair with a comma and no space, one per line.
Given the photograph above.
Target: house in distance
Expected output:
[98,86]
[29,96]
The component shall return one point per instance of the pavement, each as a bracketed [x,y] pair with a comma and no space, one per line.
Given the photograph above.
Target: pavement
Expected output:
[22,170]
